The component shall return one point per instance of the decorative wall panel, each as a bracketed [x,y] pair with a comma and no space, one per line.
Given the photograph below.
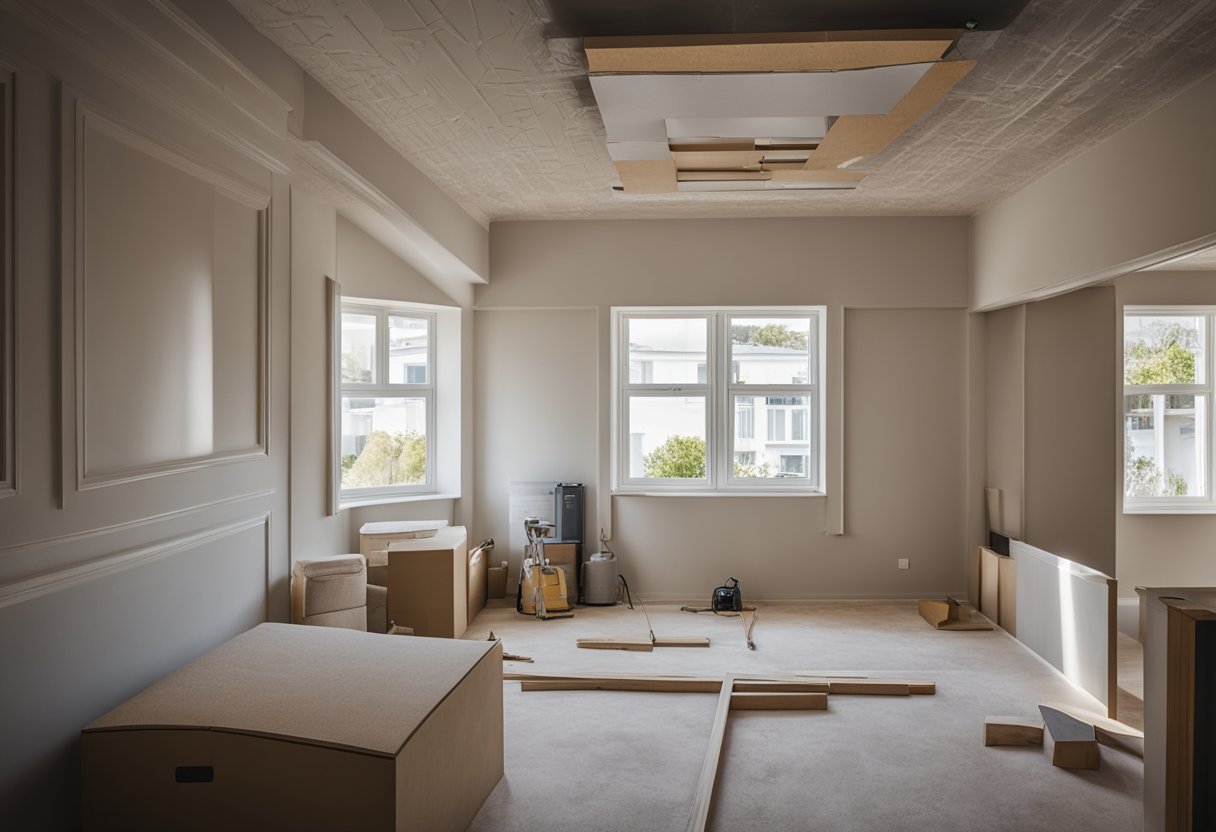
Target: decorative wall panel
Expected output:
[167,322]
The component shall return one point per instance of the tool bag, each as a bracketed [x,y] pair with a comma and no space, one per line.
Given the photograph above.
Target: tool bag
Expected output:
[728,597]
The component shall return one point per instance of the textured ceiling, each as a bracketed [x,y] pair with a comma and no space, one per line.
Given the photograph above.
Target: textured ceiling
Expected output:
[474,95]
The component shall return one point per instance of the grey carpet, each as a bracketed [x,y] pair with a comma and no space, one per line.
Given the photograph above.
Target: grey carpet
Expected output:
[630,761]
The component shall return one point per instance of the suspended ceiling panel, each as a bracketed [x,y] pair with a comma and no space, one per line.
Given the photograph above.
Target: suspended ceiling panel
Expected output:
[502,118]
[635,107]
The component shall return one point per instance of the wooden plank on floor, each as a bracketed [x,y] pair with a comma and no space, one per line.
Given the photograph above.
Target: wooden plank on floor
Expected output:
[658,684]
[713,754]
[747,701]
[641,645]
[687,641]
[869,687]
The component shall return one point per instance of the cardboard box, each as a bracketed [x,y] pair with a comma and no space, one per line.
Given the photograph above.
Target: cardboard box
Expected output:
[264,732]
[428,584]
[476,576]
[496,582]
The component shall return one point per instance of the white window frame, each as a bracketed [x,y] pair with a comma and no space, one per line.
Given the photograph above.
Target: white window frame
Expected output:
[380,387]
[1172,505]
[719,392]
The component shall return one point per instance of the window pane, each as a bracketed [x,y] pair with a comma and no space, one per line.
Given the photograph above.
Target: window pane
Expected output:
[1164,446]
[784,450]
[1164,349]
[667,437]
[667,350]
[358,348]
[745,417]
[770,350]
[407,350]
[383,441]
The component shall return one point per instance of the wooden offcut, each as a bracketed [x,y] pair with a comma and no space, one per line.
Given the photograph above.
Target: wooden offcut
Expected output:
[949,614]
[786,701]
[779,52]
[1013,730]
[1075,744]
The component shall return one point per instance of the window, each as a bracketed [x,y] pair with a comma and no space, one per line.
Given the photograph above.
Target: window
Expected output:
[1167,398]
[690,422]
[386,408]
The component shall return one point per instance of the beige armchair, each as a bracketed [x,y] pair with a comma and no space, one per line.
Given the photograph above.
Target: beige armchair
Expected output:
[334,592]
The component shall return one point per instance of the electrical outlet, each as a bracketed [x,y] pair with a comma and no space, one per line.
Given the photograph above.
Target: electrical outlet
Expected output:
[903,563]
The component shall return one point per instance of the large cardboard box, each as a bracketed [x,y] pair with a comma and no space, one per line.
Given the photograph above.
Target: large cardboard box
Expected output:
[428,584]
[295,727]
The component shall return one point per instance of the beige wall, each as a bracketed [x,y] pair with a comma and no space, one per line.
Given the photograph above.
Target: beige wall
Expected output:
[1050,436]
[1164,549]
[898,338]
[1005,392]
[1123,204]
[1071,472]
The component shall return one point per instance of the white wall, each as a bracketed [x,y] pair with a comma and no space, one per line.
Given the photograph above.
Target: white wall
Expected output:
[1163,549]
[1126,203]
[149,519]
[162,487]
[898,346]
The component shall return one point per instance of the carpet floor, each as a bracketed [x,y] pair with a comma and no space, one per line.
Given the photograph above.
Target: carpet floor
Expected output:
[601,760]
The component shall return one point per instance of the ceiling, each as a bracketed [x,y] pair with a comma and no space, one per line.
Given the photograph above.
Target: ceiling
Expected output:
[1203,260]
[477,96]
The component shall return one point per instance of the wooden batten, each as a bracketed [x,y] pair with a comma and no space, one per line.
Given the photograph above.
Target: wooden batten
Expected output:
[785,701]
[778,52]
[650,176]
[854,137]
[641,645]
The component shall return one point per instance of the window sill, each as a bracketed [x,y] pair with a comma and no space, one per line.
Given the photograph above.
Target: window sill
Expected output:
[1205,508]
[754,493]
[383,499]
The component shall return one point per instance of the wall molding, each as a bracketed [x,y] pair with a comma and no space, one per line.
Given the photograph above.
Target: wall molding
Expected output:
[69,27]
[8,280]
[80,116]
[57,580]
[71,538]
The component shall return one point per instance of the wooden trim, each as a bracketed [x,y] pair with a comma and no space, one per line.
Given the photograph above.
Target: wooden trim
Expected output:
[778,701]
[9,343]
[1180,712]
[704,796]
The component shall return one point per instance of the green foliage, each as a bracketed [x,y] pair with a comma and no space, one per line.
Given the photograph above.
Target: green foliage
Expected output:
[1142,478]
[761,471]
[353,371]
[1166,357]
[769,335]
[387,459]
[680,457]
